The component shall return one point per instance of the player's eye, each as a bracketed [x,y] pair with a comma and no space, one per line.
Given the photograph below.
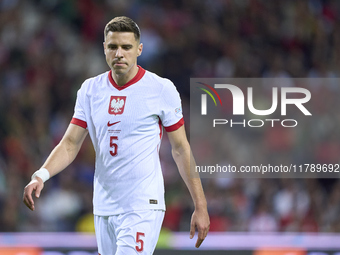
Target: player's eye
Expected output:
[112,47]
[127,47]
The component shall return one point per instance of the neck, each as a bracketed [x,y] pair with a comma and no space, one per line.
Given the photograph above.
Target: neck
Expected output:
[122,79]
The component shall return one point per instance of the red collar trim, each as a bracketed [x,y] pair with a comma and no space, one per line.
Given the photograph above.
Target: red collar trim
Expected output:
[135,79]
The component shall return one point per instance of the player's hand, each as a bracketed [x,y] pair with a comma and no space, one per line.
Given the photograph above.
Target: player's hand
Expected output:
[200,220]
[35,185]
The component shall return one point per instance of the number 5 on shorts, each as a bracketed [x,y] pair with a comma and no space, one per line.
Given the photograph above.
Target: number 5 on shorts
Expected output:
[139,247]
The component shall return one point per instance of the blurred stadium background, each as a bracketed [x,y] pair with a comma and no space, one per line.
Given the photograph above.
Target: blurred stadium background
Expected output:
[49,47]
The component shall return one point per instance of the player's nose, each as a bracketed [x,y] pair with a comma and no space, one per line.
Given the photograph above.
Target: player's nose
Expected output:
[119,53]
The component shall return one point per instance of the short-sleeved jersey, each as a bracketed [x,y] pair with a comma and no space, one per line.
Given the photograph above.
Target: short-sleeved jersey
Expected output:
[125,126]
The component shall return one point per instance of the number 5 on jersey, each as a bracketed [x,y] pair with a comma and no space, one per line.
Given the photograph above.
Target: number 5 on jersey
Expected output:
[113,145]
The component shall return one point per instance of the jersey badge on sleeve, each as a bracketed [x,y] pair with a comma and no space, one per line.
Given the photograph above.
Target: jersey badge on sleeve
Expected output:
[178,110]
[117,104]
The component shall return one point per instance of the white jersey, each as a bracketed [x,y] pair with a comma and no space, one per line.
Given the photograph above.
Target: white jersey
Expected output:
[125,126]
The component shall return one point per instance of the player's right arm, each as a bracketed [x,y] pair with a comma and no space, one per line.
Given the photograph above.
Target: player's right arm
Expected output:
[61,156]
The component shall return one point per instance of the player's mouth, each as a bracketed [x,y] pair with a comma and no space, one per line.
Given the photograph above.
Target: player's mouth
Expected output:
[119,64]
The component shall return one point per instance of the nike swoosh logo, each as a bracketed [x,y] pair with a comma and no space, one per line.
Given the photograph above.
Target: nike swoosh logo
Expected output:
[111,124]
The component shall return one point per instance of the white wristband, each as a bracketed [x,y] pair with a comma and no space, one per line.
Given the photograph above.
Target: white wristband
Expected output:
[42,173]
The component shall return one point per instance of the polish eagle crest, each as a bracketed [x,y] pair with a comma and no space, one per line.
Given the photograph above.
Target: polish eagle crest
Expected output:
[117,105]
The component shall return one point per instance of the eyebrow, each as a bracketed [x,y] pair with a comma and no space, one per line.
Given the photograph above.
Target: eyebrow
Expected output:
[123,45]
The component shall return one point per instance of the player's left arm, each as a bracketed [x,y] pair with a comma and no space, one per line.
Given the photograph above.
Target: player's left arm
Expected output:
[185,161]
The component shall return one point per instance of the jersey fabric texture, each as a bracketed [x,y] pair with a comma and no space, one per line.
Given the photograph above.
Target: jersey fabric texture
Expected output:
[125,126]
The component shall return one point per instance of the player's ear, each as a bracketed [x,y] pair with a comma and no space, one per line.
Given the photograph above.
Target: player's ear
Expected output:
[104,48]
[140,49]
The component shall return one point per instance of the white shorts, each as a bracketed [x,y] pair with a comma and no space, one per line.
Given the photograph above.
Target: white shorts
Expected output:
[134,232]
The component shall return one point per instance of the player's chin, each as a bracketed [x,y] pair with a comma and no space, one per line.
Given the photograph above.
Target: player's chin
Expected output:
[119,69]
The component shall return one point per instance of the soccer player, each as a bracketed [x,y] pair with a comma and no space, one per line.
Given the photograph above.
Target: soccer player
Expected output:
[124,111]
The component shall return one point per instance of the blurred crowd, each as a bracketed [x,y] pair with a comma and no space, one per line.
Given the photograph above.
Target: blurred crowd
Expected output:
[48,48]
